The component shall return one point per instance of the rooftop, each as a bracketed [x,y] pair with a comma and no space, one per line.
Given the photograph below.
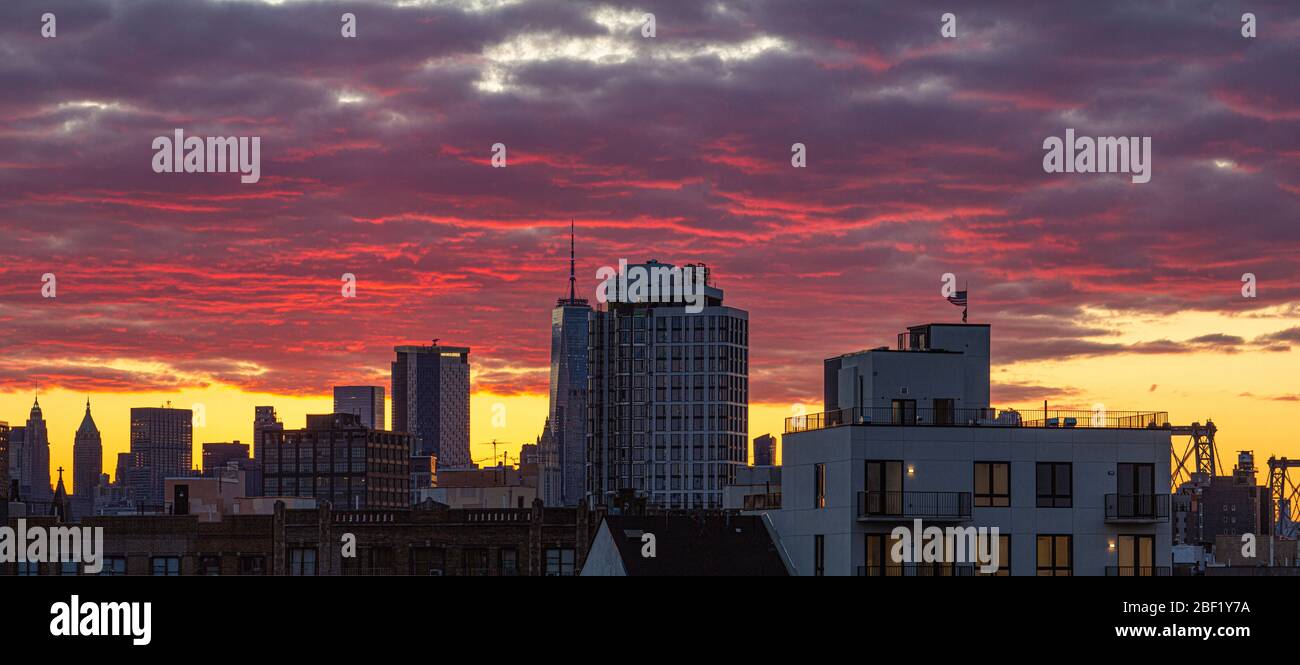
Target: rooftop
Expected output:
[1052,419]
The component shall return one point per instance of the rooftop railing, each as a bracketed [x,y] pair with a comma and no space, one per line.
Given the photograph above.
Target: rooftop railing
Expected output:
[904,415]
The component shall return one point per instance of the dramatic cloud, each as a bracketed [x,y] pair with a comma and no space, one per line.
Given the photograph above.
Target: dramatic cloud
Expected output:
[924,157]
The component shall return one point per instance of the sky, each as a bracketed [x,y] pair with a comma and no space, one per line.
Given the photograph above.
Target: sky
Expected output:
[924,156]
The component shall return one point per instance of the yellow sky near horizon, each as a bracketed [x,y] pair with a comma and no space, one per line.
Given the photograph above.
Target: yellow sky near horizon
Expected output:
[1252,395]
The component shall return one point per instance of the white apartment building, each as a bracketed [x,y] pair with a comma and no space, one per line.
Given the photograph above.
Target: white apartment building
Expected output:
[908,434]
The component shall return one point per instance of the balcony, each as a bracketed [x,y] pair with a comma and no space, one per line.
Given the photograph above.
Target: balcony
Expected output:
[1137,571]
[918,570]
[1137,508]
[894,506]
[906,416]
[768,501]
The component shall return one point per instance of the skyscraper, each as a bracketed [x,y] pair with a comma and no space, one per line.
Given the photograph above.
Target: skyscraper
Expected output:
[161,447]
[431,401]
[17,463]
[35,480]
[564,447]
[364,401]
[669,393]
[87,465]
[4,472]
[765,450]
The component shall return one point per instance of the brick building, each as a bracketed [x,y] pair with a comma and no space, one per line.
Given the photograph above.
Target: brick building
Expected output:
[428,540]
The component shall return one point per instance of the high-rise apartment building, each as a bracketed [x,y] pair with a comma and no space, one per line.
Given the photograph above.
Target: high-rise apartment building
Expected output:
[668,392]
[431,401]
[364,401]
[338,459]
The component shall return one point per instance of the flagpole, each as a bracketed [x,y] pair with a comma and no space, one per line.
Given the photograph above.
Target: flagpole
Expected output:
[966,307]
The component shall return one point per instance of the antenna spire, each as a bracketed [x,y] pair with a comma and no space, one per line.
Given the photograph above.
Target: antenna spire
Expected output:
[572,289]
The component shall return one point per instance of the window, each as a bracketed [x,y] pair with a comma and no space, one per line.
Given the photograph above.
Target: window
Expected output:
[559,562]
[819,555]
[992,484]
[884,495]
[476,562]
[1136,556]
[945,412]
[210,565]
[880,557]
[252,565]
[1003,558]
[508,561]
[904,412]
[1054,489]
[28,569]
[114,566]
[428,561]
[1055,556]
[69,568]
[302,561]
[819,486]
[166,566]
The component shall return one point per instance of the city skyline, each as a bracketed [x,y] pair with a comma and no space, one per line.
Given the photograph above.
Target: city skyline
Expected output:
[923,159]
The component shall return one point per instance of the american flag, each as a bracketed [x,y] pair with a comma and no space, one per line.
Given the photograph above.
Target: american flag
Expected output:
[959,299]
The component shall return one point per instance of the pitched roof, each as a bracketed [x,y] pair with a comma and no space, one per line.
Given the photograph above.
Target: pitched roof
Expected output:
[691,545]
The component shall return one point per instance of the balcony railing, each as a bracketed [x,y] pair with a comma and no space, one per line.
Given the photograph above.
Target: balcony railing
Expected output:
[769,501]
[1137,507]
[904,415]
[919,570]
[908,505]
[1137,571]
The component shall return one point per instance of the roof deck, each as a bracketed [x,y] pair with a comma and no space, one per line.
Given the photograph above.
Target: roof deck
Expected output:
[899,416]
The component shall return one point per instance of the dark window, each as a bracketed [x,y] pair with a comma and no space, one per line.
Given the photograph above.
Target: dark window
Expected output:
[884,484]
[114,566]
[428,561]
[945,412]
[880,556]
[1054,486]
[904,412]
[559,562]
[992,484]
[252,565]
[210,565]
[476,562]
[819,555]
[819,486]
[302,561]
[1135,479]
[1055,556]
[166,566]
[508,561]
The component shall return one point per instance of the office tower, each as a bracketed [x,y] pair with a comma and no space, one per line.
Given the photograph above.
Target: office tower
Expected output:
[431,401]
[161,448]
[87,465]
[4,472]
[338,459]
[17,451]
[563,455]
[264,418]
[765,450]
[217,456]
[669,391]
[365,401]
[35,481]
